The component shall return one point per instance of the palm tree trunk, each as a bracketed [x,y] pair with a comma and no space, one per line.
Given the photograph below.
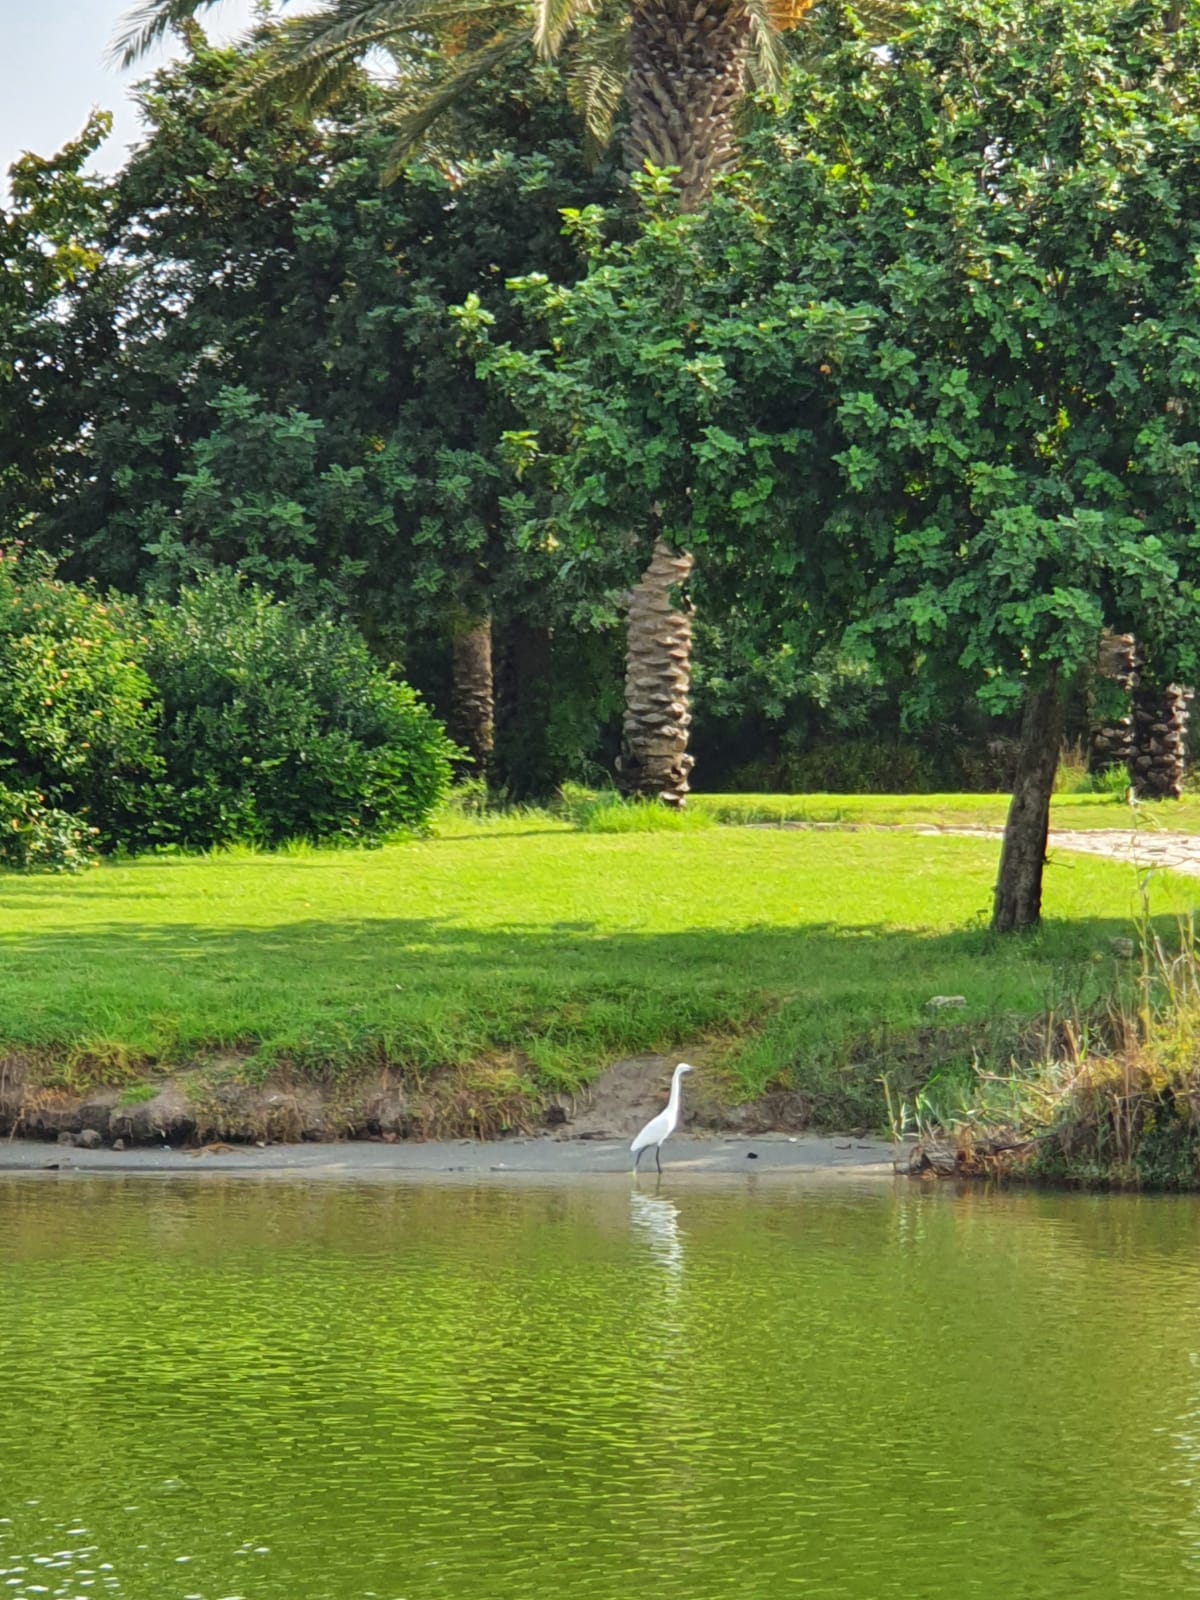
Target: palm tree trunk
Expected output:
[686,79]
[472,717]
[1110,739]
[1018,901]
[687,65]
[654,761]
[1160,719]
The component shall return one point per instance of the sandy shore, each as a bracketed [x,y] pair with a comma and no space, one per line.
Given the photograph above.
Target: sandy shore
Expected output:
[368,1160]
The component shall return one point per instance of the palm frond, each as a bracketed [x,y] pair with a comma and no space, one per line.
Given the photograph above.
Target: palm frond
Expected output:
[413,122]
[552,21]
[357,21]
[311,63]
[151,22]
[361,23]
[767,57]
[294,69]
[881,19]
[596,70]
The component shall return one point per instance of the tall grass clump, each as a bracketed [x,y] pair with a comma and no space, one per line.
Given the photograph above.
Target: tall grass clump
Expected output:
[1129,1115]
[1115,1101]
[605,811]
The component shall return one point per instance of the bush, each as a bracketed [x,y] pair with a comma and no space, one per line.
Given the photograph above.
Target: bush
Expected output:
[860,766]
[77,710]
[276,726]
[34,837]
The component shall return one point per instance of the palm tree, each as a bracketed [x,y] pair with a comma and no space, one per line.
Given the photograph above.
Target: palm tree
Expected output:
[1158,763]
[1148,735]
[472,711]
[1110,738]
[681,67]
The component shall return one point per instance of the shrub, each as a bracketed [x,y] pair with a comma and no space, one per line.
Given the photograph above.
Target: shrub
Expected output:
[277,726]
[34,837]
[77,710]
[985,766]
[861,766]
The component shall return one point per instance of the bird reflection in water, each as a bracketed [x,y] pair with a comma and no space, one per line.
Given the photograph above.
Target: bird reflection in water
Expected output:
[656,1220]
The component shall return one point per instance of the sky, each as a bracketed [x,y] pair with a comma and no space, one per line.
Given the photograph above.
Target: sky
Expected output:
[54,68]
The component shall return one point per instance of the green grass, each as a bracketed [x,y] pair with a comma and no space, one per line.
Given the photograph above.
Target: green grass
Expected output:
[808,954]
[1074,811]
[604,811]
[136,1094]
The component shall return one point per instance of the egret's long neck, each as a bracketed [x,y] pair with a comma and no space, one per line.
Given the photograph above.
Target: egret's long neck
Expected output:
[676,1089]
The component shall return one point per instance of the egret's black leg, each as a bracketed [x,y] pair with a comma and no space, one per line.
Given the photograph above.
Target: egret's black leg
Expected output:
[638,1158]
[657,1162]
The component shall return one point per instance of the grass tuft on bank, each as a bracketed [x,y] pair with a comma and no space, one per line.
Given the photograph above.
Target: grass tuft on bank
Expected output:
[806,959]
[1113,1103]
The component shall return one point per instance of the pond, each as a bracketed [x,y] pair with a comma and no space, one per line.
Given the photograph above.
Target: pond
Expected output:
[516,1391]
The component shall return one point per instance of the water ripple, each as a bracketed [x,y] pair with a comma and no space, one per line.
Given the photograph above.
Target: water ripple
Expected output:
[223,1389]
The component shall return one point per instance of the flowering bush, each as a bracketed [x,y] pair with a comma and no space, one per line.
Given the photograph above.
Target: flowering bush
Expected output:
[34,837]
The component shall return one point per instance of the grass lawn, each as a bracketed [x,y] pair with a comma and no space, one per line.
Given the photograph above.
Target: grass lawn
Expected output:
[807,955]
[1069,811]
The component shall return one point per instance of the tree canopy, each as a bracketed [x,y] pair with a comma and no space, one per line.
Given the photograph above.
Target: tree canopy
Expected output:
[264,373]
[926,378]
[51,236]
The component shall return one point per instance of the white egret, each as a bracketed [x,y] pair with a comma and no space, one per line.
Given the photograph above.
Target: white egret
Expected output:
[660,1128]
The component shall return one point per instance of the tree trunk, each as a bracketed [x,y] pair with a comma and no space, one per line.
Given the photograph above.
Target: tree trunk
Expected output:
[654,761]
[1158,762]
[1110,740]
[1018,902]
[524,691]
[472,717]
[687,75]
[687,66]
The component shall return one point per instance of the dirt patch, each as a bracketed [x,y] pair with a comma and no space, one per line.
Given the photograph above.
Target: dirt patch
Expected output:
[1139,846]
[179,1110]
[624,1098]
[621,1100]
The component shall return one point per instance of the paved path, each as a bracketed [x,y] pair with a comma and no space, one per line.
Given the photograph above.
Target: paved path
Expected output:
[1142,847]
[370,1161]
[1176,852]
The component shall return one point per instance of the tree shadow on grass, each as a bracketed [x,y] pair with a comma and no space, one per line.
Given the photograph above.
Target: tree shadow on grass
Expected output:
[388,970]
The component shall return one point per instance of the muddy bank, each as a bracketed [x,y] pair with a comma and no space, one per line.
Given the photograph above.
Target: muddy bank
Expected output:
[206,1105]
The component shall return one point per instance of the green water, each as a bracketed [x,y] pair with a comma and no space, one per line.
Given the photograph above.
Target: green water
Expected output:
[219,1388]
